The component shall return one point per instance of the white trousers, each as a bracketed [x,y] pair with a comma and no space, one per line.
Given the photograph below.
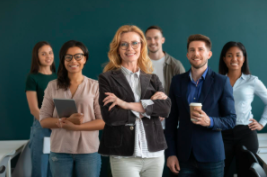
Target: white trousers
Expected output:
[137,167]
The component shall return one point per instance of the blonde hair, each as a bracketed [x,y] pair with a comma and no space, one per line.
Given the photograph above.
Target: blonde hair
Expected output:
[144,62]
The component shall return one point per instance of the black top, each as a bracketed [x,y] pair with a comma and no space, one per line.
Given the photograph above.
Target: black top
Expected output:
[38,82]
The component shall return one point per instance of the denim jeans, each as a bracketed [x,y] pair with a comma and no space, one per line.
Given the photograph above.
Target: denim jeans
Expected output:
[40,161]
[193,168]
[86,165]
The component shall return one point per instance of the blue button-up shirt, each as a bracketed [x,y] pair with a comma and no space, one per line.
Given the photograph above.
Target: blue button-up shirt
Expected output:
[194,90]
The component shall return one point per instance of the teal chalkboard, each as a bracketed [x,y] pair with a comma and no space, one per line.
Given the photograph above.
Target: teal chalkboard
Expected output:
[94,22]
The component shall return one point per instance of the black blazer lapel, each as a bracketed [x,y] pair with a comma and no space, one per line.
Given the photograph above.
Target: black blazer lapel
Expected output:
[144,81]
[183,87]
[121,80]
[207,84]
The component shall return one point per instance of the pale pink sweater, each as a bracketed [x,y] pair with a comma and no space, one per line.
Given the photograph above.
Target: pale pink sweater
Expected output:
[86,99]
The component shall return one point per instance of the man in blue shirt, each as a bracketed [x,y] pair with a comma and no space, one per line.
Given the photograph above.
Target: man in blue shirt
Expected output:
[195,148]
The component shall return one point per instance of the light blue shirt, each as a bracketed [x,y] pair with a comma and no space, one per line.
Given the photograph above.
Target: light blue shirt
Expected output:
[194,90]
[134,82]
[244,90]
[140,144]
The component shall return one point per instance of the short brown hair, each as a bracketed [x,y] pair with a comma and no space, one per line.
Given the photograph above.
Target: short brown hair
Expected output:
[199,37]
[154,27]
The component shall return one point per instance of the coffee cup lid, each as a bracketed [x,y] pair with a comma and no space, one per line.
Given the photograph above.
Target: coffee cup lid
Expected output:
[195,104]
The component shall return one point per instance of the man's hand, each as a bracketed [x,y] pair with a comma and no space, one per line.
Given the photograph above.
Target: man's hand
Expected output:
[159,96]
[173,164]
[255,125]
[201,117]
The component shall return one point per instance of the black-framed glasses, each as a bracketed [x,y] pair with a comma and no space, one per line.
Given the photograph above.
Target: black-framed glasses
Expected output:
[125,45]
[77,56]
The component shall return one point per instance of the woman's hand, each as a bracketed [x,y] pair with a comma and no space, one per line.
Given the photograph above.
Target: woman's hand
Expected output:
[59,123]
[161,118]
[159,96]
[111,98]
[76,118]
[255,125]
[66,124]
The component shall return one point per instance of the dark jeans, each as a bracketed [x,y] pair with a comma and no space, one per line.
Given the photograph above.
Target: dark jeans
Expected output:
[193,168]
[233,141]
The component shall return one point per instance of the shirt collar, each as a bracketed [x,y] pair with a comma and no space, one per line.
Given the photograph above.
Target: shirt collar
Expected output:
[243,76]
[203,75]
[127,72]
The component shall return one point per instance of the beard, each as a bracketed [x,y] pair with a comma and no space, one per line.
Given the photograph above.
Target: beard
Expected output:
[153,51]
[198,66]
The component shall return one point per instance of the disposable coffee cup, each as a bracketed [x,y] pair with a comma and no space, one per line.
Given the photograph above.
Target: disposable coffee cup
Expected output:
[192,106]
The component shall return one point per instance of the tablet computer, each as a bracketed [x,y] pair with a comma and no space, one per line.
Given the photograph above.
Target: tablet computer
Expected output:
[65,107]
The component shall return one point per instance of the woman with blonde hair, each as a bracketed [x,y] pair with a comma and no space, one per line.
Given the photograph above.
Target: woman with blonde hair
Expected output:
[132,100]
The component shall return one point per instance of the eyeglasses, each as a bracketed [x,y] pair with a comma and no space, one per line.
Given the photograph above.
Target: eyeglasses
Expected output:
[125,45]
[77,57]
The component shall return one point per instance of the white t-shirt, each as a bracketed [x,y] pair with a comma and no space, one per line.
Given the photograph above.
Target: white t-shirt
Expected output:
[158,66]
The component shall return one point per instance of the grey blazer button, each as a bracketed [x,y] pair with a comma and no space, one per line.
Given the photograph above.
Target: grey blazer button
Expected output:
[131,127]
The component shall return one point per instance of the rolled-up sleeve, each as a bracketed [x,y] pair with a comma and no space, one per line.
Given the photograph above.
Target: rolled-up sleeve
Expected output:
[145,103]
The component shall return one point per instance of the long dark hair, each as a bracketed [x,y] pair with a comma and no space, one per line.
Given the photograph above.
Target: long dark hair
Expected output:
[35,58]
[63,80]
[222,66]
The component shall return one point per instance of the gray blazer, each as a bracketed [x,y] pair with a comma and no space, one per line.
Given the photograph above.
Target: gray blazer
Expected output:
[118,137]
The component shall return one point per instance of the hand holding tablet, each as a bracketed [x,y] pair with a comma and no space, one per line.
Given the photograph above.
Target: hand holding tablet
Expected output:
[76,118]
[66,108]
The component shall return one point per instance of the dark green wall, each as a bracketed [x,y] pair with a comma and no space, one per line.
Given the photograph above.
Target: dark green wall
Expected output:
[24,23]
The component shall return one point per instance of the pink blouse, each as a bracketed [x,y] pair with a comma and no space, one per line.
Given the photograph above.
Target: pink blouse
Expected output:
[86,99]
